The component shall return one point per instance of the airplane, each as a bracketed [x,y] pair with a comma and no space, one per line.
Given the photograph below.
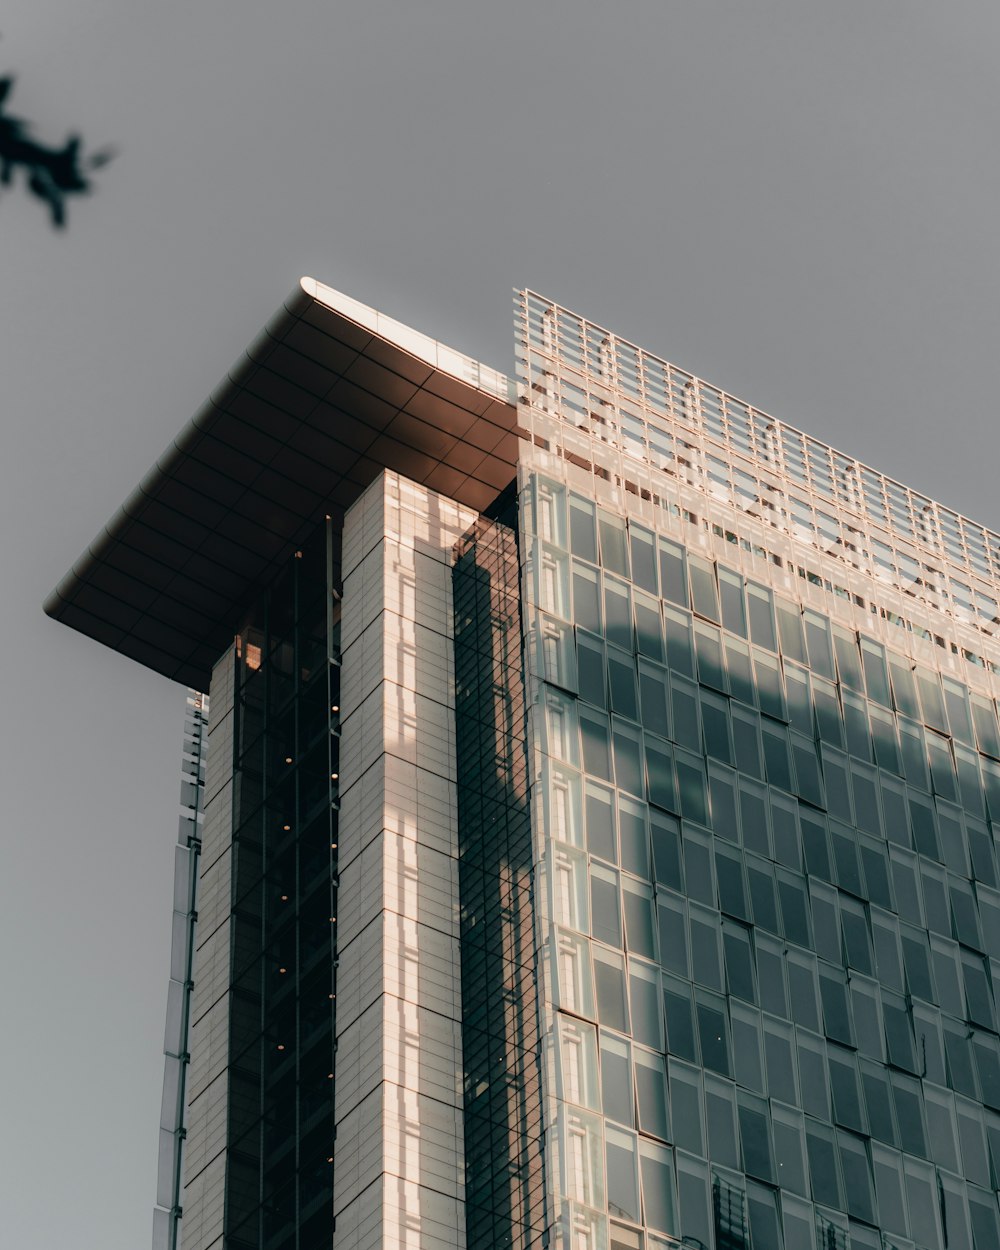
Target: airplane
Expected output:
[52,173]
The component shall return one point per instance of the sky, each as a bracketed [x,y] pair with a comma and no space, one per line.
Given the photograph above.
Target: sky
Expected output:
[795,199]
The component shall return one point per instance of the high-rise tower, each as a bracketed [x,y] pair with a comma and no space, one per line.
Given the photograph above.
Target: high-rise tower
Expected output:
[593,822]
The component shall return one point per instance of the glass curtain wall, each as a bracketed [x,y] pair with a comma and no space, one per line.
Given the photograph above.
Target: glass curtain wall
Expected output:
[772,908]
[279,1185]
[502,1106]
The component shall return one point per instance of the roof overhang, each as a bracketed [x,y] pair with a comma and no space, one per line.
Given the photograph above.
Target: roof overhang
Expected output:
[329,395]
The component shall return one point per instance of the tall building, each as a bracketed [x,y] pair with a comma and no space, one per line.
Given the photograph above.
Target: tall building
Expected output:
[590,838]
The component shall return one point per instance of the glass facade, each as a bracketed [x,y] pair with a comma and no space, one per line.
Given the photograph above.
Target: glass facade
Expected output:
[504,1177]
[725,758]
[775,925]
[279,1181]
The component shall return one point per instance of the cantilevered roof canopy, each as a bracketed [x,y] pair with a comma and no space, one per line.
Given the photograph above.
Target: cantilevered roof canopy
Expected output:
[329,395]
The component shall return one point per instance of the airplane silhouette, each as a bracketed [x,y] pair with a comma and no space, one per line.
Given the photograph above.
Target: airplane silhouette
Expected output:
[53,173]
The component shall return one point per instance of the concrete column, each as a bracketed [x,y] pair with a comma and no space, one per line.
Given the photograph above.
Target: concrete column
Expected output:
[399,1155]
[208,1079]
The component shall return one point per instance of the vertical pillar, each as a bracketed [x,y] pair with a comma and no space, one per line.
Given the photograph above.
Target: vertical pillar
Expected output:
[208,1095]
[399,1173]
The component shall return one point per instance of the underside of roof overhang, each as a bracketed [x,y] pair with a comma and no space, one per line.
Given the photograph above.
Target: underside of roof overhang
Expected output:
[330,394]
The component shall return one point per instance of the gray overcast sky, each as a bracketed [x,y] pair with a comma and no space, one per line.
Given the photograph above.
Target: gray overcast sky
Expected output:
[796,200]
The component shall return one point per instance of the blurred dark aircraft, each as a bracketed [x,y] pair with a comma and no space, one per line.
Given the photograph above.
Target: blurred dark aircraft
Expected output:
[52,173]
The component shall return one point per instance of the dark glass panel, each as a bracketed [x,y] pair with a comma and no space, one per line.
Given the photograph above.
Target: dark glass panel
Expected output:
[596,745]
[829,717]
[761,616]
[917,963]
[721,1124]
[685,1110]
[747,742]
[790,630]
[684,703]
[924,825]
[762,894]
[984,717]
[731,593]
[698,867]
[618,614]
[582,534]
[651,1095]
[878,1103]
[638,923]
[741,681]
[704,593]
[836,1011]
[691,786]
[732,888]
[739,963]
[749,1069]
[673,577]
[823,1169]
[909,1115]
[845,644]
[605,915]
[857,1179]
[802,991]
[785,828]
[627,744]
[845,1089]
[845,854]
[775,740]
[667,851]
[876,675]
[662,789]
[644,1001]
[932,703]
[898,1033]
[643,557]
[616,1080]
[780,1061]
[634,837]
[755,1138]
[789,1155]
[600,821]
[591,673]
[653,697]
[586,599]
[712,1033]
[876,872]
[715,725]
[814,841]
[614,552]
[813,1077]
[856,724]
[680,1025]
[794,909]
[621,673]
[904,687]
[770,691]
[680,649]
[609,982]
[819,644]
[673,938]
[649,628]
[722,799]
[771,980]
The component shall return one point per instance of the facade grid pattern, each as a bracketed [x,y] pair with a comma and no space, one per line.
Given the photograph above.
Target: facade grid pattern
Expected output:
[503,1130]
[774,923]
[279,1178]
[653,412]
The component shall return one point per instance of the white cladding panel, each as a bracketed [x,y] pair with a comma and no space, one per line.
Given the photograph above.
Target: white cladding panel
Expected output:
[399,1171]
